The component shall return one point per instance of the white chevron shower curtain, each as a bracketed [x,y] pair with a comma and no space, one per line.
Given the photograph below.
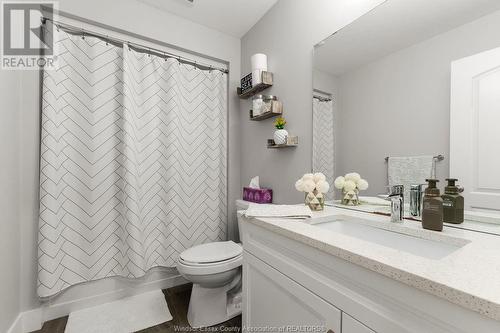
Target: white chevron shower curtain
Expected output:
[133,162]
[323,140]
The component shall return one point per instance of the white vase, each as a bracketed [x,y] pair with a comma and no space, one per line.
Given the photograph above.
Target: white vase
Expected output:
[280,136]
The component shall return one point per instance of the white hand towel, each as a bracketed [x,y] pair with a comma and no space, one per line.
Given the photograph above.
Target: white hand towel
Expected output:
[409,171]
[286,211]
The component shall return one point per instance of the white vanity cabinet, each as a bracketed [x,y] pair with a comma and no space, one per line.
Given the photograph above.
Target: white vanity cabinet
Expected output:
[274,302]
[288,284]
[351,325]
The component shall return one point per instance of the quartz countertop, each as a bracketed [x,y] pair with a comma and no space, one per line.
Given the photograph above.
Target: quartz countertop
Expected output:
[469,276]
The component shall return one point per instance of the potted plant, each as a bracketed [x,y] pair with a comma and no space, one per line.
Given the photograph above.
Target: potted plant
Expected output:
[281,134]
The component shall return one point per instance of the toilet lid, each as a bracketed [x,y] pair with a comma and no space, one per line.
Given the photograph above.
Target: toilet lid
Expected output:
[212,252]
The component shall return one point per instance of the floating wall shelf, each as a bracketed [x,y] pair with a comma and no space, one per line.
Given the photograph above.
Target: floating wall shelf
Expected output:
[265,115]
[292,141]
[276,110]
[280,146]
[267,81]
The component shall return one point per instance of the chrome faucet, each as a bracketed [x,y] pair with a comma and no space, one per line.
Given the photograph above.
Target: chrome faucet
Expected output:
[396,197]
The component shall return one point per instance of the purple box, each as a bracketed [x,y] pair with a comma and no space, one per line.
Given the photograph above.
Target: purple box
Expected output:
[258,195]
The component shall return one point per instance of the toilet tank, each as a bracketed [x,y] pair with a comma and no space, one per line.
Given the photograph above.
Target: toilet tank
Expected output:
[241,205]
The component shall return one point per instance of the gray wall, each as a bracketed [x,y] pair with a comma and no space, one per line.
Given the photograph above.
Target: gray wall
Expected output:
[287,34]
[9,198]
[399,105]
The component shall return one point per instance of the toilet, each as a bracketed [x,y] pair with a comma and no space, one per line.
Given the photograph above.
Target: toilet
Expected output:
[215,271]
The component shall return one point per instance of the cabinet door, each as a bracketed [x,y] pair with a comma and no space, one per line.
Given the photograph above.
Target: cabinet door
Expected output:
[351,325]
[275,303]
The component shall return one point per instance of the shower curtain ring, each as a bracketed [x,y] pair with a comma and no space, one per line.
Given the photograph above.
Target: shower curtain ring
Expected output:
[83,34]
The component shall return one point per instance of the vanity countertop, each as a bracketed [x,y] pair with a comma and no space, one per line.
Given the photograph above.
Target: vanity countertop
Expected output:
[469,276]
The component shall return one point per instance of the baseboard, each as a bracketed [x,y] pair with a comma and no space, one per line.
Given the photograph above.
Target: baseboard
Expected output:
[33,320]
[17,326]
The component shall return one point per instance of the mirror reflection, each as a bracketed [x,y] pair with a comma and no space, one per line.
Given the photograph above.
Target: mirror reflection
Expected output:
[399,99]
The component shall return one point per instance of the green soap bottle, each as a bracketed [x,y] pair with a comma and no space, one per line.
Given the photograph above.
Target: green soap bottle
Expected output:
[453,203]
[432,210]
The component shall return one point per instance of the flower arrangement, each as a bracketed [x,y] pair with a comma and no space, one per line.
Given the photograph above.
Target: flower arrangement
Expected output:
[280,123]
[350,184]
[315,186]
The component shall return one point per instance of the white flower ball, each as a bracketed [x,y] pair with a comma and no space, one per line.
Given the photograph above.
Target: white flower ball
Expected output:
[308,185]
[307,176]
[317,177]
[349,185]
[354,176]
[299,185]
[323,186]
[339,182]
[362,184]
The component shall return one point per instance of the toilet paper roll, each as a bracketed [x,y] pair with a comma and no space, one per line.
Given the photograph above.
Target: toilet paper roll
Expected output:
[259,61]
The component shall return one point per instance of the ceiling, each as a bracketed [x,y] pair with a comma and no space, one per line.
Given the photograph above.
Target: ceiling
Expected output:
[392,26]
[232,17]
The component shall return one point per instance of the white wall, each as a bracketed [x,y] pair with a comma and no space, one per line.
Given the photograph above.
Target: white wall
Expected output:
[9,198]
[144,20]
[287,34]
[325,82]
[399,105]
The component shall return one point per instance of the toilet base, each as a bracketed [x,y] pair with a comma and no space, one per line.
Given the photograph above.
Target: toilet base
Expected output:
[212,306]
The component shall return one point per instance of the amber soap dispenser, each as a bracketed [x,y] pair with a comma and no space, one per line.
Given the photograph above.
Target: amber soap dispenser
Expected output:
[453,203]
[432,210]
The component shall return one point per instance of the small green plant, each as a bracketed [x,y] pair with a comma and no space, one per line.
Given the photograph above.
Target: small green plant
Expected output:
[280,123]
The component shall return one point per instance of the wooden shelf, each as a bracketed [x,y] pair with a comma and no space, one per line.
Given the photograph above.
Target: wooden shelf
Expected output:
[276,110]
[267,81]
[281,146]
[293,141]
[265,115]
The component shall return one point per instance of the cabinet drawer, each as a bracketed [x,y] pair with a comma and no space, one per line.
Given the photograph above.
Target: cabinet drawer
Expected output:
[275,303]
[351,325]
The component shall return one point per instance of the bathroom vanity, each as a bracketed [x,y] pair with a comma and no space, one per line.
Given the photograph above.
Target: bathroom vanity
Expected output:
[353,272]
[392,102]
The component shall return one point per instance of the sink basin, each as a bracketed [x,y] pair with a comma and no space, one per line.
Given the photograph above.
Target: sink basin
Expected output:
[413,244]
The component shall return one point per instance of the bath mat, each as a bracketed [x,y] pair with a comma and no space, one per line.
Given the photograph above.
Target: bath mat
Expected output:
[123,316]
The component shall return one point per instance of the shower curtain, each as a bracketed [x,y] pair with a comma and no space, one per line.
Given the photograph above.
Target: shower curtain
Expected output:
[323,140]
[132,165]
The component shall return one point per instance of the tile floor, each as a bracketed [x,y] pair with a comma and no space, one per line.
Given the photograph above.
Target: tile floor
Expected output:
[178,301]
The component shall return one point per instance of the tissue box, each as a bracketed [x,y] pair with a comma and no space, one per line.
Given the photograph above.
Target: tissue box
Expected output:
[258,195]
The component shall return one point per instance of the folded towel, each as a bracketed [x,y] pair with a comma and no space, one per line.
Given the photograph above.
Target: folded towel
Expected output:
[286,211]
[411,170]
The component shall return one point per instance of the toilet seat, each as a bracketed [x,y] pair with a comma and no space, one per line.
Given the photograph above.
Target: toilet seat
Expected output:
[210,258]
[209,268]
[211,252]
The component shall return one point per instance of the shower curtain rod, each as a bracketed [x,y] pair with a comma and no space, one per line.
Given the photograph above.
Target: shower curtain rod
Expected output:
[142,48]
[322,99]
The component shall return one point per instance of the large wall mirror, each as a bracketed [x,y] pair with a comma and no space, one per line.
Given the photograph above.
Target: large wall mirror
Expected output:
[409,91]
